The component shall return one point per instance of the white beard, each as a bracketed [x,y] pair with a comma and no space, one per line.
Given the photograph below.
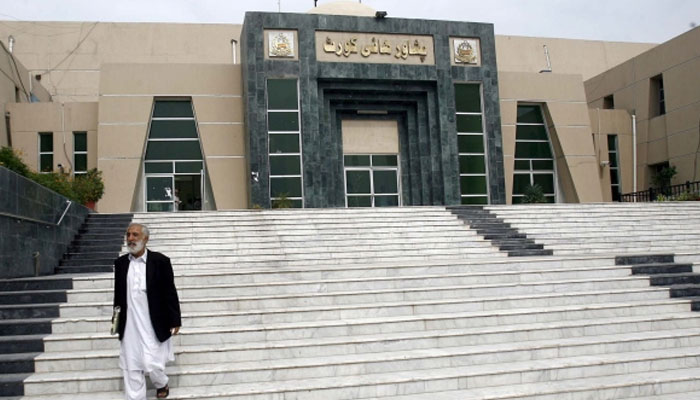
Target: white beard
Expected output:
[136,247]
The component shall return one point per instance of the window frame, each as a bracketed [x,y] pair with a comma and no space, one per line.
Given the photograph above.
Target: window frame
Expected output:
[271,177]
[531,172]
[43,154]
[657,98]
[174,161]
[77,172]
[483,154]
[614,154]
[371,168]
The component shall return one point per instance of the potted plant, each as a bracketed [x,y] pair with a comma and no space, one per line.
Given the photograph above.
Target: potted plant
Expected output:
[89,187]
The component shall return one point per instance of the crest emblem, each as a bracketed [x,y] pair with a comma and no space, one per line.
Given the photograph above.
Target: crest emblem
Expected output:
[281,44]
[466,51]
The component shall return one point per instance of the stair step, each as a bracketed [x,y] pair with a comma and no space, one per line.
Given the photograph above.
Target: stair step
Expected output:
[662,268]
[18,363]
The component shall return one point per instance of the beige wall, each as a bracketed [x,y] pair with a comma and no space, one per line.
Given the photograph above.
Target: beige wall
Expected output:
[564,102]
[127,92]
[373,136]
[16,86]
[675,136]
[73,74]
[613,122]
[28,119]
[568,56]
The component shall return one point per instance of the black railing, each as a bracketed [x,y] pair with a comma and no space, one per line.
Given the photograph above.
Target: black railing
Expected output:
[671,192]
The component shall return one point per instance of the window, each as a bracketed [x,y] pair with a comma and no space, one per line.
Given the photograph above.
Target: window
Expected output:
[284,141]
[614,167]
[372,180]
[173,164]
[657,101]
[471,146]
[534,164]
[79,153]
[45,151]
[608,102]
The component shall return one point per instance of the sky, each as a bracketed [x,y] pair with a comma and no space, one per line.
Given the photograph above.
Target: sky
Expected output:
[651,21]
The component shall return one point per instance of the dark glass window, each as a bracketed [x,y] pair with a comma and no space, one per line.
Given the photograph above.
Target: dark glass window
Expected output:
[468,97]
[79,153]
[282,94]
[289,187]
[284,165]
[284,143]
[283,121]
[532,132]
[470,143]
[172,150]
[173,129]
[46,151]
[80,141]
[469,123]
[173,109]
[473,184]
[613,156]
[357,161]
[384,161]
[358,182]
[80,163]
[46,142]
[188,167]
[472,165]
[657,98]
[159,168]
[534,161]
[530,114]
[468,200]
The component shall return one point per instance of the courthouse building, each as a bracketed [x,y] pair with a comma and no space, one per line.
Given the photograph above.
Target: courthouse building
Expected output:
[345,106]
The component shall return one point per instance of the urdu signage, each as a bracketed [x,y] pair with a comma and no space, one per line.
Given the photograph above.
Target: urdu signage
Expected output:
[374,48]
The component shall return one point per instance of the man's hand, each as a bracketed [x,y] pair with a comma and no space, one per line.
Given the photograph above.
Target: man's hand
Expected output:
[175,330]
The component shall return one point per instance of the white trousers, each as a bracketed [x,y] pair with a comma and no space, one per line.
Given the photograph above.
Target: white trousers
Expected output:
[135,383]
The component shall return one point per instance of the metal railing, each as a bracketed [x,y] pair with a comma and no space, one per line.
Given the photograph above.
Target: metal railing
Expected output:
[37,221]
[668,191]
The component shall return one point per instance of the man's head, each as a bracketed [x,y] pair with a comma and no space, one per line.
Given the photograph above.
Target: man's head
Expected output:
[136,239]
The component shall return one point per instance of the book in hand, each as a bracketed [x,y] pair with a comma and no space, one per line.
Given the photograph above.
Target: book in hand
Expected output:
[115,320]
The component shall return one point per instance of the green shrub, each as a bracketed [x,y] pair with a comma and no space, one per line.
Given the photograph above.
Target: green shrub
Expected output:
[12,161]
[89,187]
[283,201]
[59,183]
[662,178]
[685,196]
[661,197]
[82,189]
[534,194]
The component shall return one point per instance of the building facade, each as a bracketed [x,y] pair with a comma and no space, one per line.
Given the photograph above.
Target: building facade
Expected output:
[326,109]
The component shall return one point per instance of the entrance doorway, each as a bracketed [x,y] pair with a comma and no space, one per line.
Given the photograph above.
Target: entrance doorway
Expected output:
[371,162]
[174,191]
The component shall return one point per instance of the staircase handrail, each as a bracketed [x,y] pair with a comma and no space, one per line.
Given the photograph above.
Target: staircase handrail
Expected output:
[37,221]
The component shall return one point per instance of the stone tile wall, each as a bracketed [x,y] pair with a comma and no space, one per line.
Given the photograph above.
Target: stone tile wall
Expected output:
[420,96]
[28,216]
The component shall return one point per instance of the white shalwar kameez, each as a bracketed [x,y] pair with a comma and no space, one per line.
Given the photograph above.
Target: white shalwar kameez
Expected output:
[141,351]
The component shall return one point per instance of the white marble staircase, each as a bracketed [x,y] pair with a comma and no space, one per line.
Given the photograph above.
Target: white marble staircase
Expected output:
[617,228]
[395,304]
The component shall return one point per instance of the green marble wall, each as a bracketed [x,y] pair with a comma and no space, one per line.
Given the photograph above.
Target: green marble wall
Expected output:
[419,97]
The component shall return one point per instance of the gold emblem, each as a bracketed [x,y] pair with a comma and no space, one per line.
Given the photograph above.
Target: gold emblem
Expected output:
[466,51]
[281,44]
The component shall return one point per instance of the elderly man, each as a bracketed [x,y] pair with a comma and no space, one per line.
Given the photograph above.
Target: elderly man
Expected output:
[144,289]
